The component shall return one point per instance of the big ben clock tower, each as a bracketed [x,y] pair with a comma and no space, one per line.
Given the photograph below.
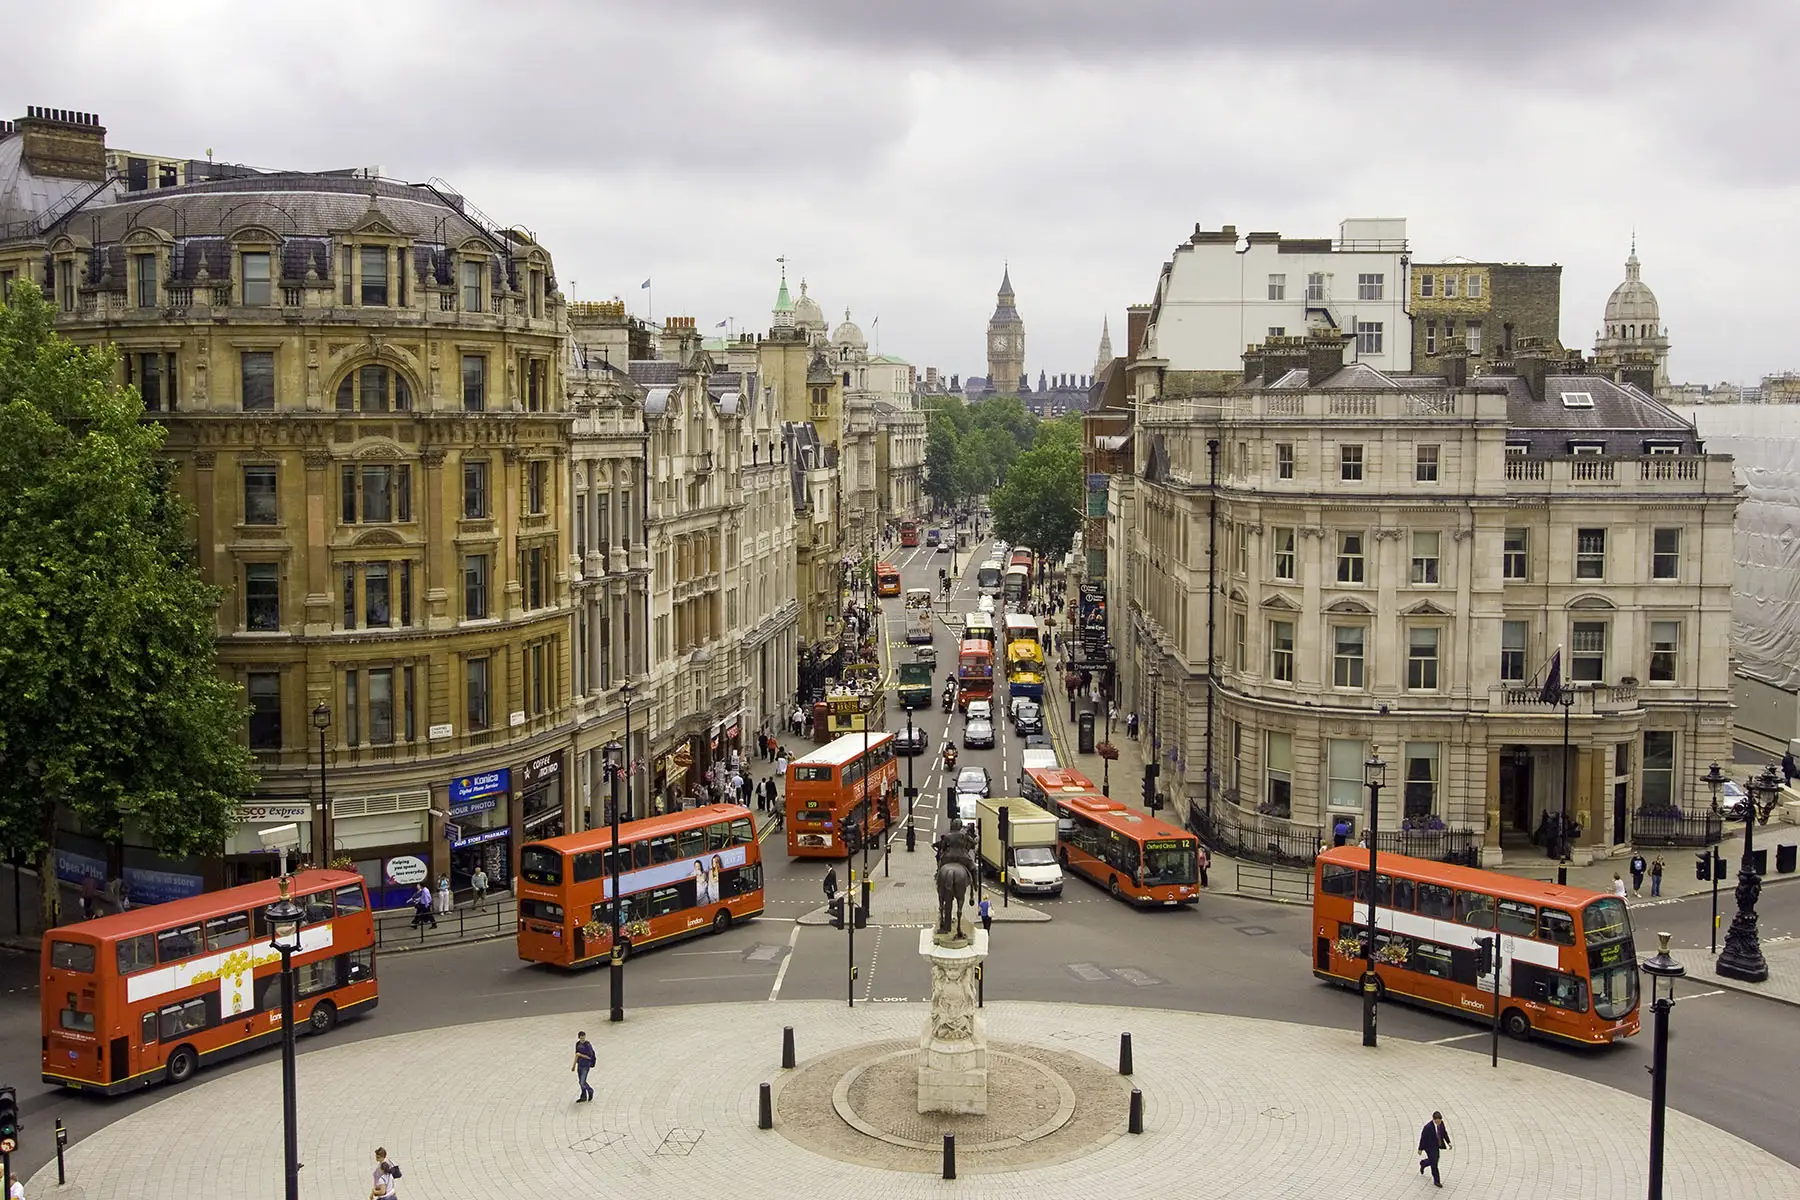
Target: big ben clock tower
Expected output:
[1005,342]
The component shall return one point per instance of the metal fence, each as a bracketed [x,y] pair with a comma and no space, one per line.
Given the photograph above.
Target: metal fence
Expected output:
[1460,846]
[1288,885]
[1264,844]
[1673,828]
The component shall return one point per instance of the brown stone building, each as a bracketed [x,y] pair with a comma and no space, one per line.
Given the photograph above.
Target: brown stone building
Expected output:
[361,387]
[1485,309]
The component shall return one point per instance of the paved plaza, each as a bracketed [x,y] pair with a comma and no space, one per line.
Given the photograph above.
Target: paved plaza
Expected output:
[1235,1107]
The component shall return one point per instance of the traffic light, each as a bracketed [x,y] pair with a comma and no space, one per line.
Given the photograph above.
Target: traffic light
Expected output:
[1703,866]
[9,1120]
[1005,824]
[835,906]
[1484,956]
[1150,788]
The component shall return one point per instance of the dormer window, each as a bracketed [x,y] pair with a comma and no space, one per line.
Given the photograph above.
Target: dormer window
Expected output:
[145,266]
[256,277]
[1586,448]
[471,285]
[1664,448]
[1578,399]
[374,276]
[1517,449]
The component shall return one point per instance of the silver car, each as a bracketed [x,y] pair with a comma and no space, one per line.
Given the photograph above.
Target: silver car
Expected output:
[980,733]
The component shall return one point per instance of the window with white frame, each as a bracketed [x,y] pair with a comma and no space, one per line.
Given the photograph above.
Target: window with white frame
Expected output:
[1242,557]
[1450,288]
[1514,559]
[1350,462]
[1283,563]
[1587,651]
[1238,639]
[1426,284]
[1344,773]
[1425,464]
[1284,460]
[1665,647]
[1347,655]
[1281,651]
[1665,554]
[1234,757]
[1425,545]
[1278,287]
[1370,286]
[1659,769]
[256,284]
[1278,771]
[1315,287]
[1350,561]
[1421,780]
[1422,658]
[145,265]
[1590,554]
[1474,289]
[1431,337]
[1368,337]
[471,284]
[1513,638]
[1472,337]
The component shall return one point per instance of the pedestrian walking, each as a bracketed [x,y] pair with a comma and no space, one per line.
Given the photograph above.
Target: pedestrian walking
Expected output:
[1638,867]
[421,903]
[831,882]
[1656,872]
[986,909]
[444,900]
[585,1058]
[382,1180]
[1204,859]
[478,882]
[1435,1137]
[1618,886]
[90,898]
[1789,768]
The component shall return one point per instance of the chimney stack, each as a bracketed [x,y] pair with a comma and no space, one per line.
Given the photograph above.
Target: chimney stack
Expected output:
[1284,354]
[1137,322]
[63,145]
[1532,361]
[1324,357]
[1455,361]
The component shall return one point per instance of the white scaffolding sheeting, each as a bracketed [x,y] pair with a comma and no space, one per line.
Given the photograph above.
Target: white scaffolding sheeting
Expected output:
[1765,605]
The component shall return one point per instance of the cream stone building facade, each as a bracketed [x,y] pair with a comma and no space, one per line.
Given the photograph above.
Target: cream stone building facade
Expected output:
[360,382]
[1399,559]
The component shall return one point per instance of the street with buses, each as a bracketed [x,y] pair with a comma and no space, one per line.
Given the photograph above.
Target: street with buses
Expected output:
[1170,946]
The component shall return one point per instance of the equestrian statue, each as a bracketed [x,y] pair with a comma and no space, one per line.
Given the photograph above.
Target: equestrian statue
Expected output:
[956,878]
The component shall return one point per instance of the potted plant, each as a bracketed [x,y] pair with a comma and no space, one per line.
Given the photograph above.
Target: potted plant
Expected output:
[1107,750]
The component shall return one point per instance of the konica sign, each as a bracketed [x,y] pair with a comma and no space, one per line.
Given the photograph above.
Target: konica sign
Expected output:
[478,793]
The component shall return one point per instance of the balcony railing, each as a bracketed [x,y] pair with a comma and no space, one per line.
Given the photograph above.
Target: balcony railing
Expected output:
[1672,827]
[1709,474]
[1589,698]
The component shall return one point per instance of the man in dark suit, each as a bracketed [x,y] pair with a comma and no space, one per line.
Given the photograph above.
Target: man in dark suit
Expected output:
[1433,1138]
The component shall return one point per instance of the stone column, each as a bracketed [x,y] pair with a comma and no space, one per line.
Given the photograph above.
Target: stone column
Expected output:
[953,1057]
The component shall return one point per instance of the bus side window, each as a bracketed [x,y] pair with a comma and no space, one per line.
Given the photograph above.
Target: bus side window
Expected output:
[587,866]
[1518,918]
[1559,927]
[138,953]
[1338,880]
[222,933]
[1437,901]
[662,849]
[640,853]
[350,899]
[147,1029]
[718,836]
[690,843]
[1473,908]
[317,906]
[173,945]
[1403,895]
[741,832]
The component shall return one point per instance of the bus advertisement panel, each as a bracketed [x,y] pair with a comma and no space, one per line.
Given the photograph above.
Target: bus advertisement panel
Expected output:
[919,628]
[1568,967]
[909,533]
[887,579]
[1015,587]
[987,577]
[830,803]
[974,673]
[154,993]
[1133,856]
[680,874]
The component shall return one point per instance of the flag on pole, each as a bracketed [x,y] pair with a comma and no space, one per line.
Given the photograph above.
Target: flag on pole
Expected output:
[644,284]
[1552,691]
[721,324]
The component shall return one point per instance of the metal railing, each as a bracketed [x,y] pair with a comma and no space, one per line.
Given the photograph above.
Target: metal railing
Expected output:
[395,928]
[1460,846]
[1225,833]
[1288,885]
[1675,828]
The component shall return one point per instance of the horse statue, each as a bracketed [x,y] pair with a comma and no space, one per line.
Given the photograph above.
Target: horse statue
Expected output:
[955,878]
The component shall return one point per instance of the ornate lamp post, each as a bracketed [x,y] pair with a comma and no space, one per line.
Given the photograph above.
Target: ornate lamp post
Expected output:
[1566,698]
[614,756]
[1742,957]
[1715,779]
[283,918]
[321,719]
[1663,971]
[1375,777]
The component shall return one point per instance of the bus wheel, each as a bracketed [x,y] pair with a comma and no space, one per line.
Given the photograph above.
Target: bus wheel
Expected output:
[722,921]
[324,1016]
[1112,885]
[1516,1023]
[182,1064]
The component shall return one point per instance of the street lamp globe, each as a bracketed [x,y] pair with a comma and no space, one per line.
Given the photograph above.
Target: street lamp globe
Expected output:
[1663,971]
[1374,772]
[284,921]
[321,716]
[613,752]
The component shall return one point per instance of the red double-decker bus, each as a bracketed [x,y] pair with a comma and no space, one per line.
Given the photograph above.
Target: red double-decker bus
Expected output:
[839,794]
[154,993]
[680,874]
[909,533]
[1133,856]
[974,672]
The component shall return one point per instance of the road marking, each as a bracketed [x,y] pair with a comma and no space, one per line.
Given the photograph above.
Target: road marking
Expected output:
[781,971]
[1700,995]
[710,978]
[1461,1037]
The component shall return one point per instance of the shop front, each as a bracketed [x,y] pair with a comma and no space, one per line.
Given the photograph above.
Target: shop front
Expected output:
[541,793]
[675,777]
[480,828]
[369,833]
[247,859]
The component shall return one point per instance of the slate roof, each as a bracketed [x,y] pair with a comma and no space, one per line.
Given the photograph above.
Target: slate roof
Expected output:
[24,194]
[1622,418]
[655,372]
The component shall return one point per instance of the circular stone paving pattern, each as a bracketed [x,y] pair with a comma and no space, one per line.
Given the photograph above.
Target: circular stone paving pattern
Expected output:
[1044,1106]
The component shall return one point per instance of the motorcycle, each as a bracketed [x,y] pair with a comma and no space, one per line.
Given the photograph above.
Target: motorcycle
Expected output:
[950,758]
[949,700]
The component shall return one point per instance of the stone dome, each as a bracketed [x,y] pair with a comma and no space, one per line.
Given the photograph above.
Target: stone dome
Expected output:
[807,313]
[1633,304]
[849,334]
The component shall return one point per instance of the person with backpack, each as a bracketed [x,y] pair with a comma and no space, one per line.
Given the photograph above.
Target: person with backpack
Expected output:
[385,1176]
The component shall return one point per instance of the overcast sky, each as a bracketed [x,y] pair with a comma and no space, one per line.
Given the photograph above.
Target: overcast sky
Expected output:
[898,153]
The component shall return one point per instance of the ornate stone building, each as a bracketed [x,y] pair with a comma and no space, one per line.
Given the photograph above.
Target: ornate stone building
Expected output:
[1005,342]
[1399,559]
[360,381]
[1633,331]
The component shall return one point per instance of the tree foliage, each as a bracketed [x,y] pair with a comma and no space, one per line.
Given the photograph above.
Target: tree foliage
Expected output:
[1039,505]
[110,702]
[968,450]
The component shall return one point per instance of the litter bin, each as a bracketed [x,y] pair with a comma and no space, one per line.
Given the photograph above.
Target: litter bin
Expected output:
[1785,858]
[1759,861]
[1085,732]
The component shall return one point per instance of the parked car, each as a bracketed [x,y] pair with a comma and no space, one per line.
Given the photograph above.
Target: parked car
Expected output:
[911,741]
[979,732]
[974,779]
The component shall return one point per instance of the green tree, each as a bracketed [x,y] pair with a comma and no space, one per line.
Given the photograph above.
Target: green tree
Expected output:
[110,702]
[1039,505]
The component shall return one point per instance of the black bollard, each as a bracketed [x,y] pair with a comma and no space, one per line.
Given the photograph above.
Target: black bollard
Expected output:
[1136,1123]
[787,1047]
[765,1108]
[949,1156]
[868,895]
[1124,1054]
[910,836]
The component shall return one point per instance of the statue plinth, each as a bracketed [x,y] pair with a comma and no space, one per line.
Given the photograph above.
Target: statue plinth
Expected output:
[953,1057]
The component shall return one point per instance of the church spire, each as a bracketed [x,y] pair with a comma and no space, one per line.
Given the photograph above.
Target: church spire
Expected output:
[1631,264]
[1006,292]
[1106,351]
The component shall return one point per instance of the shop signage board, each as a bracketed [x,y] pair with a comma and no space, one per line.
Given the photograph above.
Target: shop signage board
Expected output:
[479,792]
[486,835]
[541,769]
[276,814]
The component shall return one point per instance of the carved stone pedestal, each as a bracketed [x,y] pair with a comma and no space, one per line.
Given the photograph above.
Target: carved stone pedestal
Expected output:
[953,1056]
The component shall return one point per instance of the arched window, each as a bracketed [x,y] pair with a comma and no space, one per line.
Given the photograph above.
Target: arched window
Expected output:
[374,388]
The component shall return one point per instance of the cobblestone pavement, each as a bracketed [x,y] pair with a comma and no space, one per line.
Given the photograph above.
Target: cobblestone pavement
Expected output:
[1783,983]
[1235,1107]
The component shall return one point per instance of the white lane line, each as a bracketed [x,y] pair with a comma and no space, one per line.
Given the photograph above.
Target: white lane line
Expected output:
[1702,995]
[685,953]
[1461,1037]
[710,978]
[781,971]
